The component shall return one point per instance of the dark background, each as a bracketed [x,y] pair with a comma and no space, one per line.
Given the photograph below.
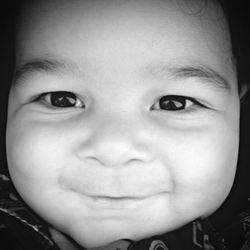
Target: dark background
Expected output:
[7,16]
[238,12]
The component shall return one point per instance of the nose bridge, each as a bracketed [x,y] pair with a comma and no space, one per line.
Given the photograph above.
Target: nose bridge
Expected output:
[114,141]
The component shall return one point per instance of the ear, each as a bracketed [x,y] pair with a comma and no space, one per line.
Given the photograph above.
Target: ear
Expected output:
[243,91]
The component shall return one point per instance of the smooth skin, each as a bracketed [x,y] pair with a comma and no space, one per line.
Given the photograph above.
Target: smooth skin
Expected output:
[123,119]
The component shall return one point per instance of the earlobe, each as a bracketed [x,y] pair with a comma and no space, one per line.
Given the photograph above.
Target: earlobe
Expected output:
[243,91]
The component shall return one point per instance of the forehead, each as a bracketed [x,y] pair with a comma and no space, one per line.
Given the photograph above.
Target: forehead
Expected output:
[97,31]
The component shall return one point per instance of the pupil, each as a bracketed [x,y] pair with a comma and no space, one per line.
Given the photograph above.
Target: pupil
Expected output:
[160,248]
[62,99]
[172,103]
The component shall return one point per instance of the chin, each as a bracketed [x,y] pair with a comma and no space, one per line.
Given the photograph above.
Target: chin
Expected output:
[105,235]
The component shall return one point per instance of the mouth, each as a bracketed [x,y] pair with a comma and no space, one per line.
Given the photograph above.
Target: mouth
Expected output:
[119,203]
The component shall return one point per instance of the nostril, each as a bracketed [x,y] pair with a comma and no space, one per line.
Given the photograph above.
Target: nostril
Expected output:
[117,147]
[115,156]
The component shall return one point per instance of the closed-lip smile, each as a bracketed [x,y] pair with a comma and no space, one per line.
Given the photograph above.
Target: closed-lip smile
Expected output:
[121,202]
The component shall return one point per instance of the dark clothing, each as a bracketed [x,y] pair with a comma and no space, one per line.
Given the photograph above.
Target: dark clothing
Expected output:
[21,229]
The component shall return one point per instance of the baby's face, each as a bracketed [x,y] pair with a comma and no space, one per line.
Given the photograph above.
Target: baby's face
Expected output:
[124,118]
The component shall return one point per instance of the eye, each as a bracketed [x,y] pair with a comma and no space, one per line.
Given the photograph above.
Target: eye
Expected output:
[61,99]
[176,103]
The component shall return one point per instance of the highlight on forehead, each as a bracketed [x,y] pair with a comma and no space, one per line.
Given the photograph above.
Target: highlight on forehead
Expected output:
[191,7]
[207,12]
[197,8]
[33,11]
[36,14]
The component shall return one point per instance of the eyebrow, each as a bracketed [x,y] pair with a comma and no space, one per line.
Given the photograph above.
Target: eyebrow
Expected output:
[201,72]
[43,66]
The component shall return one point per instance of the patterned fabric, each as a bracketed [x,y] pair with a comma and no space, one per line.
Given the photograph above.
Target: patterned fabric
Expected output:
[21,229]
[16,219]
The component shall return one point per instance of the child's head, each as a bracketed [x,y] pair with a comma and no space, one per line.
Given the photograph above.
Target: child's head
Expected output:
[123,119]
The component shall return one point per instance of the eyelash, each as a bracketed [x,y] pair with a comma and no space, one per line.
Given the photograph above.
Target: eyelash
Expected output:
[175,103]
[65,99]
[60,99]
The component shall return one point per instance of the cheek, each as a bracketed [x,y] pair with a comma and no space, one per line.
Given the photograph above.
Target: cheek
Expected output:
[212,158]
[34,157]
[36,160]
[29,153]
[202,163]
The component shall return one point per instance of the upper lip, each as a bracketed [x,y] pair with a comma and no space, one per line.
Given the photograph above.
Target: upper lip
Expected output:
[119,202]
[122,197]
[116,202]
[118,197]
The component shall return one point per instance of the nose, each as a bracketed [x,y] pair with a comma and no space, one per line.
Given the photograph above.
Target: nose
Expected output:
[114,144]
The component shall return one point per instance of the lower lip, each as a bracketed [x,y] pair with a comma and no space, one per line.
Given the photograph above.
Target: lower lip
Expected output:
[119,203]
